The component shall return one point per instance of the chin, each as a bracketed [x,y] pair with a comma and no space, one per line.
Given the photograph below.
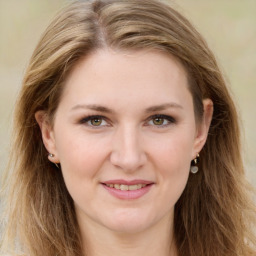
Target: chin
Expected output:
[128,228]
[129,223]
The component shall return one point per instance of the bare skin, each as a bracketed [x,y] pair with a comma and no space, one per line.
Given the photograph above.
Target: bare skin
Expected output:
[126,120]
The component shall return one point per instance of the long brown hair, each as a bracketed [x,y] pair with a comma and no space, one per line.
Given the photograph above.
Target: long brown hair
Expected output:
[214,216]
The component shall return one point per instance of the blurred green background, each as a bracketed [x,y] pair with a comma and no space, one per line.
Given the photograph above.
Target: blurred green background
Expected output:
[228,26]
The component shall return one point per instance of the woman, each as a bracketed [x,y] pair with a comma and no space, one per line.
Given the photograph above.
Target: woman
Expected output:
[127,141]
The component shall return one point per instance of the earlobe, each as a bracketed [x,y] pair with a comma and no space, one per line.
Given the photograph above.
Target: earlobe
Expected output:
[203,127]
[47,135]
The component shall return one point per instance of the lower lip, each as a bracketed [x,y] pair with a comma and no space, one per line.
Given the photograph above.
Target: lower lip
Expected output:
[128,194]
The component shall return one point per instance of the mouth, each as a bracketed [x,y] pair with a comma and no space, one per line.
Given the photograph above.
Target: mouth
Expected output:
[125,187]
[128,189]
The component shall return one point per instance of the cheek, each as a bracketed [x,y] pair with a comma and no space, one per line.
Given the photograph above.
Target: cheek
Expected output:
[172,159]
[80,156]
[174,150]
[81,163]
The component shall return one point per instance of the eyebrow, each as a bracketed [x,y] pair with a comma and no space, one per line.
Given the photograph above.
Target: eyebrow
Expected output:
[104,109]
[95,107]
[163,107]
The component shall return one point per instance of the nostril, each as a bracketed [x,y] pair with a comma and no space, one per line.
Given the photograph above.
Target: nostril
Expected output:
[128,161]
[127,150]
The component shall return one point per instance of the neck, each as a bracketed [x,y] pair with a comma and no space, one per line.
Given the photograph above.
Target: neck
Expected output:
[98,241]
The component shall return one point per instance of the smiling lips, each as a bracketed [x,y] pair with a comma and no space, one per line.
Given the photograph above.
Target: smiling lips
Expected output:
[122,189]
[126,187]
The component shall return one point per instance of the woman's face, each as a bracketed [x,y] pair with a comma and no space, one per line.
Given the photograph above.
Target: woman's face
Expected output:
[125,134]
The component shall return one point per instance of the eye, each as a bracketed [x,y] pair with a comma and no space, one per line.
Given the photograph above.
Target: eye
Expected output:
[95,121]
[161,120]
[158,121]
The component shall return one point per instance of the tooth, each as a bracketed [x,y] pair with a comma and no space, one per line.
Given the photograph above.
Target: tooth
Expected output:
[133,187]
[117,186]
[124,187]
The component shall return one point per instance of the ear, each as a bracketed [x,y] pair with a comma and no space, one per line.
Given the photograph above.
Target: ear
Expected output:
[47,135]
[203,127]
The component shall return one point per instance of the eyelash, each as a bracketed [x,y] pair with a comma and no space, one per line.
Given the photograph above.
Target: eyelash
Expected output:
[91,118]
[169,119]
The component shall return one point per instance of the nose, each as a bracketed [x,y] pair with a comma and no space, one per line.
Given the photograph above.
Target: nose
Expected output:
[127,150]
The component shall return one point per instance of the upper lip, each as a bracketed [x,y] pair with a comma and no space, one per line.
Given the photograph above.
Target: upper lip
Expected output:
[126,182]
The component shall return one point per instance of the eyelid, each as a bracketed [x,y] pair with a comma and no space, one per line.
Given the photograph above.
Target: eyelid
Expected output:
[88,118]
[170,119]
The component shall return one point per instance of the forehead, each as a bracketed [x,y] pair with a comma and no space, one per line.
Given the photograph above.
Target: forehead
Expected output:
[130,75]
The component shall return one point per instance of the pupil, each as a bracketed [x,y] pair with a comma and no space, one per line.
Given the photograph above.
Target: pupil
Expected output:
[158,121]
[96,121]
